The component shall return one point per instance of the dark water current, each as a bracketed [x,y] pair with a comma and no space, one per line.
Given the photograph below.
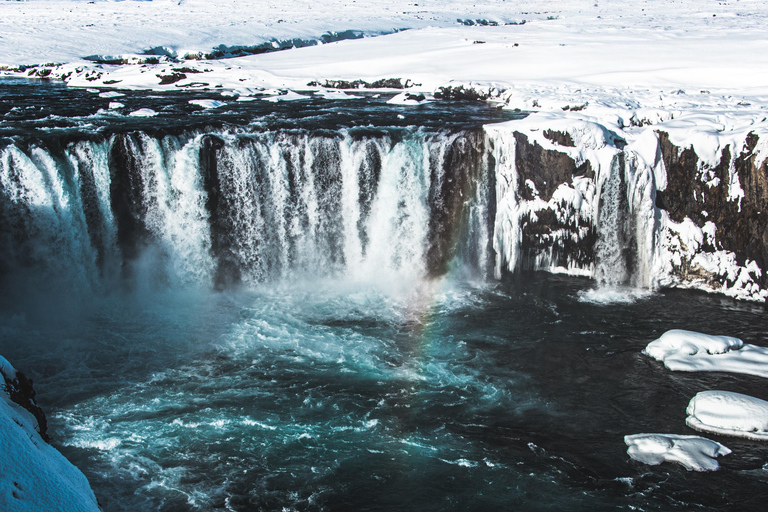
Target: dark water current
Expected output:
[341,394]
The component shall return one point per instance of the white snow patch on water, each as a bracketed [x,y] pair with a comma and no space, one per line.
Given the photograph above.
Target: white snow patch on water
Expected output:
[111,94]
[143,112]
[207,103]
[694,453]
[690,351]
[730,414]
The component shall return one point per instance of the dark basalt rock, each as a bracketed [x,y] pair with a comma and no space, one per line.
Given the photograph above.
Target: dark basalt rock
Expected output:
[126,191]
[561,138]
[461,93]
[564,240]
[742,225]
[545,168]
[450,190]
[21,392]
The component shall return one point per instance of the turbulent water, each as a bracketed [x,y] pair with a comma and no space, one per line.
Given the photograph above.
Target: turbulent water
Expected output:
[290,307]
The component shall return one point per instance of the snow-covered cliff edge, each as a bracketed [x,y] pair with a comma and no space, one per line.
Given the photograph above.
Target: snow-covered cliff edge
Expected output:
[34,477]
[674,204]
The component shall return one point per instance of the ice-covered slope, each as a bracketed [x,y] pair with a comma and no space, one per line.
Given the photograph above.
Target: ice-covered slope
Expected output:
[34,477]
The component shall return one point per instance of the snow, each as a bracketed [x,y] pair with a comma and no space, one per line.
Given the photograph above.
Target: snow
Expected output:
[143,112]
[690,351]
[694,453]
[730,414]
[34,477]
[207,103]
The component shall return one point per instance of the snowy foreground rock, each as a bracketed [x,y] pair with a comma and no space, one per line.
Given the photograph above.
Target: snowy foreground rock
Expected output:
[730,414]
[34,477]
[690,351]
[692,452]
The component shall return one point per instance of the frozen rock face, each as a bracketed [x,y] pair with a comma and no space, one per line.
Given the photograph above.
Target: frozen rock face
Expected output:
[34,477]
[575,197]
[728,204]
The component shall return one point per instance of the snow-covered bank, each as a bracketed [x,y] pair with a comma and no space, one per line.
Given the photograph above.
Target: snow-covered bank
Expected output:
[34,477]
[694,453]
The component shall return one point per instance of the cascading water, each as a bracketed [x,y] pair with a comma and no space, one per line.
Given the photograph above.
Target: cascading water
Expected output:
[614,247]
[224,209]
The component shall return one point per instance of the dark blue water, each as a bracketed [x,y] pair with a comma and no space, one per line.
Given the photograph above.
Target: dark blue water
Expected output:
[439,396]
[371,387]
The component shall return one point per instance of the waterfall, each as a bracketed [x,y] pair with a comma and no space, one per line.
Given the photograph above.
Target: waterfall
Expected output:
[226,209]
[614,247]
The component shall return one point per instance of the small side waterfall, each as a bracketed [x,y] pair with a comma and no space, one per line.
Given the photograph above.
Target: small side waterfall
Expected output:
[614,250]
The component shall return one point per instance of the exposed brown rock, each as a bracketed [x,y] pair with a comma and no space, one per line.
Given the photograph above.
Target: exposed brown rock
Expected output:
[742,224]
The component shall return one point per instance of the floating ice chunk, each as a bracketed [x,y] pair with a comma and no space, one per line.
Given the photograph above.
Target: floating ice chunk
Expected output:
[408,98]
[336,95]
[694,453]
[207,103]
[690,351]
[729,414]
[115,105]
[289,96]
[143,112]
[110,94]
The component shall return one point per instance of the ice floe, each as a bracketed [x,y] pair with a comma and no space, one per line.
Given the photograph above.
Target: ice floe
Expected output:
[690,351]
[695,453]
[729,414]
[207,103]
[143,112]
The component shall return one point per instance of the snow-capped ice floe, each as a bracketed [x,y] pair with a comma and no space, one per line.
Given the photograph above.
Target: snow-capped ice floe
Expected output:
[694,453]
[207,103]
[143,112]
[407,98]
[289,96]
[690,351]
[729,414]
[113,105]
[34,477]
[336,95]
[110,94]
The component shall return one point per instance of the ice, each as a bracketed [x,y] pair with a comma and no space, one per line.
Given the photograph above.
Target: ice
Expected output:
[143,112]
[690,351]
[113,105]
[407,98]
[34,477]
[207,103]
[730,414]
[694,453]
[111,94]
